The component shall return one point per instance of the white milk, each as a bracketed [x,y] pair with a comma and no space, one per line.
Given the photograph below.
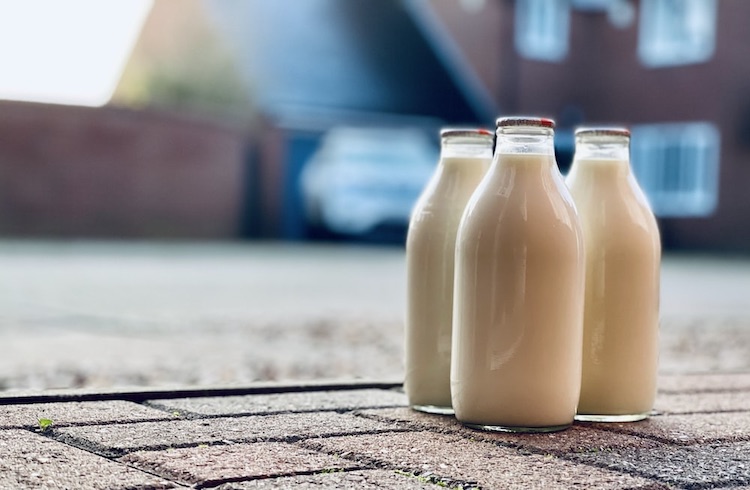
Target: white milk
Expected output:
[430,250]
[621,316]
[518,300]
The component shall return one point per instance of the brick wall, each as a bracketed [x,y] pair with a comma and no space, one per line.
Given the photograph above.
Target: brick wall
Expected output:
[107,172]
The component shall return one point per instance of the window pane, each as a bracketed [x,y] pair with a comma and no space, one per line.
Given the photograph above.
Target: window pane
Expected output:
[541,29]
[677,165]
[676,32]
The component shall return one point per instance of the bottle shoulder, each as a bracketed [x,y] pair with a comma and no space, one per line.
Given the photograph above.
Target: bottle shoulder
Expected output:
[542,219]
[619,226]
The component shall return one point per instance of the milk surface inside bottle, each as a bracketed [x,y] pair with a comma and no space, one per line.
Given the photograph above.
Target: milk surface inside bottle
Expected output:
[465,156]
[621,315]
[518,299]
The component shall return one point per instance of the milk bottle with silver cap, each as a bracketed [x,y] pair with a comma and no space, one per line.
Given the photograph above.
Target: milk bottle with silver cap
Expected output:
[430,247]
[623,254]
[518,299]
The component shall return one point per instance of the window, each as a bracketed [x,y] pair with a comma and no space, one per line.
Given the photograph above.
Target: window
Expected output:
[620,13]
[541,29]
[678,167]
[676,32]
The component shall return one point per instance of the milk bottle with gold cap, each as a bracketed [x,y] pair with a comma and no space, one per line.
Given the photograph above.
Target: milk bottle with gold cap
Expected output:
[621,315]
[518,300]
[430,247]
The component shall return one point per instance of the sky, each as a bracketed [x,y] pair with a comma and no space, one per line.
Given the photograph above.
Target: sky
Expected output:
[66,51]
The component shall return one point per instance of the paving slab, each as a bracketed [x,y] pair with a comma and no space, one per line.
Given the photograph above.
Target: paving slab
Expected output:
[363,479]
[687,429]
[678,383]
[706,466]
[709,402]
[28,460]
[453,460]
[210,465]
[286,402]
[68,413]
[115,440]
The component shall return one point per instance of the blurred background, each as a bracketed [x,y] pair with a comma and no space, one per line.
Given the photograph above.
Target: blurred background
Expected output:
[187,186]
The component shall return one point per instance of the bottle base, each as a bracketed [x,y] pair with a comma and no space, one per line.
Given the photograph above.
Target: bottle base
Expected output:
[434,409]
[634,417]
[517,429]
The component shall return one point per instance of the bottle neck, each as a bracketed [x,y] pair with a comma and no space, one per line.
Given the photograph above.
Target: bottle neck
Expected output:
[456,147]
[602,149]
[521,140]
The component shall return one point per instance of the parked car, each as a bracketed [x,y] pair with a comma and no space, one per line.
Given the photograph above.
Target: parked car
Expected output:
[364,179]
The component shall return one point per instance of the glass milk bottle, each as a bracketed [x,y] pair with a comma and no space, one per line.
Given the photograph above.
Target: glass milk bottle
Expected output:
[518,301]
[623,251]
[430,247]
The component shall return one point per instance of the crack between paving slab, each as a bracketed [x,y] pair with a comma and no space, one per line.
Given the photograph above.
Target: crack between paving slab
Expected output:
[114,453]
[418,426]
[49,434]
[61,425]
[190,415]
[142,395]
[664,440]
[177,484]
[442,481]
[375,463]
[240,479]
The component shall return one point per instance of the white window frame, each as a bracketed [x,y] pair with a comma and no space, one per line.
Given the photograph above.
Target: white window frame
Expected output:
[677,165]
[676,32]
[542,28]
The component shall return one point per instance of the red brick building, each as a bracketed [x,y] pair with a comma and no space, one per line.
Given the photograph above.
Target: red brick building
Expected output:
[677,72]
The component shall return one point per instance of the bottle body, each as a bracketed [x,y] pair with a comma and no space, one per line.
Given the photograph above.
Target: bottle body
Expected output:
[430,251]
[623,255]
[518,299]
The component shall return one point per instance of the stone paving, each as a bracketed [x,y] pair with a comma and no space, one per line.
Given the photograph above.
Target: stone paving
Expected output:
[362,435]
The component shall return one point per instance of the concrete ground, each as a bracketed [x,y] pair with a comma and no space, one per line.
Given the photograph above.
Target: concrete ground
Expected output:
[98,315]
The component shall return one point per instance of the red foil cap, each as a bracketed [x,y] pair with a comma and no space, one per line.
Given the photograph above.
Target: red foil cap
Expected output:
[542,122]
